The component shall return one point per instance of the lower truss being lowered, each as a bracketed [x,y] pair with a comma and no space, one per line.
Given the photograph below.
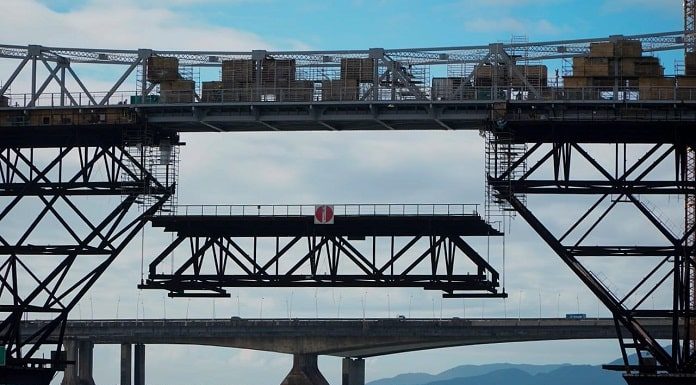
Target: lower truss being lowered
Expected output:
[68,208]
[426,251]
[614,180]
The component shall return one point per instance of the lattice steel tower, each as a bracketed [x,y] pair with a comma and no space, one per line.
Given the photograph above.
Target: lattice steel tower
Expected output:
[690,203]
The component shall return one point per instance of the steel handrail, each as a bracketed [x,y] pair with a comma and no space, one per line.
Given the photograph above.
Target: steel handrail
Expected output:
[345,209]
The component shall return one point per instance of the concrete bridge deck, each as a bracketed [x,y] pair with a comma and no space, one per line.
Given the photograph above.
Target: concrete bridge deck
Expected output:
[342,337]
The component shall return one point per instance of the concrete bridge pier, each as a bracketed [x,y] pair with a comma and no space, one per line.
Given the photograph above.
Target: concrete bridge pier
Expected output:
[353,371]
[126,363]
[305,371]
[139,365]
[70,373]
[82,353]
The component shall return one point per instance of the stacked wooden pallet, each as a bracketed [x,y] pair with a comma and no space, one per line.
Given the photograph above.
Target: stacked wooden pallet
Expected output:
[177,91]
[486,75]
[621,64]
[162,69]
[339,90]
[360,70]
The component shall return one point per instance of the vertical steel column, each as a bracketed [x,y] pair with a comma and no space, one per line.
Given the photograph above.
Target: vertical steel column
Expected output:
[494,51]
[62,84]
[126,364]
[690,202]
[34,51]
[144,57]
[139,365]
[258,56]
[377,55]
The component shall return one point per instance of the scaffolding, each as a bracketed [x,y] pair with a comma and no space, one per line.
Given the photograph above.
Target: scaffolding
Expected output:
[159,160]
[502,153]
[533,70]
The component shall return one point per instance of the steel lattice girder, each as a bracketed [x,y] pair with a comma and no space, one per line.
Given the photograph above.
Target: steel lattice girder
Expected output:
[546,169]
[44,189]
[423,251]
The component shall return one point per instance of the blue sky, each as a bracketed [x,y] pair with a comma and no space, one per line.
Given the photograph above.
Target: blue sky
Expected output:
[356,167]
[354,24]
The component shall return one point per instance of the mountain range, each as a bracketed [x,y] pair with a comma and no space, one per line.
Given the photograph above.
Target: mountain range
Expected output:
[510,374]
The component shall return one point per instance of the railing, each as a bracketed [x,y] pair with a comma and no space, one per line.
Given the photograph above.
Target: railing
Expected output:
[348,94]
[389,209]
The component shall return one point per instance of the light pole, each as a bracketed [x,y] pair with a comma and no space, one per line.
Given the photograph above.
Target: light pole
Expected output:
[388,306]
[558,305]
[238,313]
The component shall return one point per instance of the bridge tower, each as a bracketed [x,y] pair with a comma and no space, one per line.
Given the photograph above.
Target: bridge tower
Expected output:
[690,203]
[621,173]
[72,197]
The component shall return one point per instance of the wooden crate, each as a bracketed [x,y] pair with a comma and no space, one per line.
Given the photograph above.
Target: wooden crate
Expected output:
[648,66]
[686,81]
[177,91]
[628,48]
[690,64]
[299,91]
[239,72]
[656,88]
[447,88]
[278,72]
[577,82]
[358,69]
[621,48]
[590,66]
[537,75]
[339,90]
[484,74]
[211,92]
[162,68]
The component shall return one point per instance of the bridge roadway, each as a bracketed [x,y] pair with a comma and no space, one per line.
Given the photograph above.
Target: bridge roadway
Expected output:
[342,337]
[537,121]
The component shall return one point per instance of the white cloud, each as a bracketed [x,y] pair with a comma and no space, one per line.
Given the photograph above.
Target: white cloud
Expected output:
[664,6]
[513,25]
[129,25]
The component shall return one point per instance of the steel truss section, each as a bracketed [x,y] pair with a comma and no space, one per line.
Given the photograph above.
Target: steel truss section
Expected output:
[399,74]
[241,251]
[633,176]
[429,55]
[59,233]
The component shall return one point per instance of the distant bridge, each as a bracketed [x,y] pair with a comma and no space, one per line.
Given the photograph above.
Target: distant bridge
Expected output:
[353,339]
[341,337]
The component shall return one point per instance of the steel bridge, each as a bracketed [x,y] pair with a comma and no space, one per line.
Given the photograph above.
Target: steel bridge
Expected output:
[64,147]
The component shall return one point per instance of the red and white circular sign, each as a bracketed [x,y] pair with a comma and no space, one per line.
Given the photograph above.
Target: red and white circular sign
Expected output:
[323,215]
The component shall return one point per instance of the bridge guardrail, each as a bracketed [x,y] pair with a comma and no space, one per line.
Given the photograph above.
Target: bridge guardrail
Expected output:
[389,209]
[313,95]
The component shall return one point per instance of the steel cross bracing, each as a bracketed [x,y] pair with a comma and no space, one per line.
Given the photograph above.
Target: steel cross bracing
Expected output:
[613,183]
[428,251]
[67,210]
[690,169]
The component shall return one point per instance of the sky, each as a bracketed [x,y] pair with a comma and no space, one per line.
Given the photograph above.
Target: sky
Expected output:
[280,168]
